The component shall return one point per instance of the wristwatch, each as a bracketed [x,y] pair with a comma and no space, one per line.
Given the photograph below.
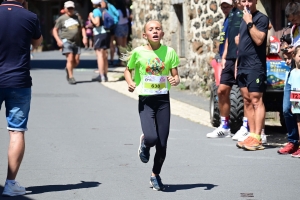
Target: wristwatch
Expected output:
[250,25]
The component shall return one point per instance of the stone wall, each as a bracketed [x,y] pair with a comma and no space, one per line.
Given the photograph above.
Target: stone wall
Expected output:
[192,28]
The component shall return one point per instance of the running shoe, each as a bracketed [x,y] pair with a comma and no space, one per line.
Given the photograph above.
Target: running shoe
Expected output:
[244,137]
[155,182]
[296,154]
[72,81]
[13,189]
[252,144]
[219,133]
[105,78]
[290,148]
[97,78]
[263,139]
[240,133]
[143,151]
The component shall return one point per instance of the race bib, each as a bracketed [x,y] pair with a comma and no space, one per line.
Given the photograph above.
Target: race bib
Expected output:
[151,85]
[295,100]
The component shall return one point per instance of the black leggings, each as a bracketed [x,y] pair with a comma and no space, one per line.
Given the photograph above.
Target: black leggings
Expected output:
[155,120]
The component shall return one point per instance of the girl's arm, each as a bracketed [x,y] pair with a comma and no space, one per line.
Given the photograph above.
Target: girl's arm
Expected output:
[174,79]
[131,84]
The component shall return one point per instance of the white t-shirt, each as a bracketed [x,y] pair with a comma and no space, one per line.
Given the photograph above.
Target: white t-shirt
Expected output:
[123,20]
[294,79]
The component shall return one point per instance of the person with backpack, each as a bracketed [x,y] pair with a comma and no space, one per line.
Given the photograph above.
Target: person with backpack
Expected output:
[102,22]
[115,14]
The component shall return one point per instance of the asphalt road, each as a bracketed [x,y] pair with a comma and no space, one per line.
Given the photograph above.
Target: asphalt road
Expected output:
[82,144]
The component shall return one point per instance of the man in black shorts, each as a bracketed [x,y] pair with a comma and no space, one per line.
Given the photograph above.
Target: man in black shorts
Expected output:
[251,72]
[228,64]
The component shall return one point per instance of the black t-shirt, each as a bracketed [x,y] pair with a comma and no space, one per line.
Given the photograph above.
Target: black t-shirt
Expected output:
[234,21]
[18,27]
[250,55]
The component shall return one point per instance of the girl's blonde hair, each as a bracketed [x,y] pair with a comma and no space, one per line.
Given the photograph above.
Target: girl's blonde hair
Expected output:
[126,56]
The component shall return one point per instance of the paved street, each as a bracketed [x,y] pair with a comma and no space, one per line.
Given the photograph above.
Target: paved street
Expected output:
[83,139]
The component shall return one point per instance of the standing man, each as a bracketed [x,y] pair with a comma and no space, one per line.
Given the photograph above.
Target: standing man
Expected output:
[226,7]
[228,64]
[69,38]
[292,12]
[251,73]
[15,80]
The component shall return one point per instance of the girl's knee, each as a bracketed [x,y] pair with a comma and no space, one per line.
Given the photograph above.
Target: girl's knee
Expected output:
[150,141]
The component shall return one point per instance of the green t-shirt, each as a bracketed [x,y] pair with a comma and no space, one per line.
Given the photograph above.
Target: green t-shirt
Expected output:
[148,62]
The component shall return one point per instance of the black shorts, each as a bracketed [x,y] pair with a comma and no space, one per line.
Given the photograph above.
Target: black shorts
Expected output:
[102,41]
[254,79]
[227,75]
[113,29]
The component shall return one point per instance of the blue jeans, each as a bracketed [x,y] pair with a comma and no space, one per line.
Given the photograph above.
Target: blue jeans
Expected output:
[17,103]
[290,119]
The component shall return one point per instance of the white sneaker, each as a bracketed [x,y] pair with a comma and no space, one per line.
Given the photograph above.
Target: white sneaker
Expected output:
[240,133]
[263,139]
[13,189]
[241,139]
[219,133]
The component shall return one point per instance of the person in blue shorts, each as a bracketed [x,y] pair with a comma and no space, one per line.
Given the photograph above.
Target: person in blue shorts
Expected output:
[15,81]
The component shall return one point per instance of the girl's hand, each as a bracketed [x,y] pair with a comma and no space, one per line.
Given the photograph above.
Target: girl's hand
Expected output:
[131,87]
[172,80]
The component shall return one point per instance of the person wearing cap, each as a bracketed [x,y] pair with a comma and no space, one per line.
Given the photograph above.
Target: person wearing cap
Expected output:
[67,33]
[112,9]
[101,38]
[20,28]
[115,14]
[226,6]
[229,56]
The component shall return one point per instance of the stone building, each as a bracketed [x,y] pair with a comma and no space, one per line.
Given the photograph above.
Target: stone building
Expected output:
[192,28]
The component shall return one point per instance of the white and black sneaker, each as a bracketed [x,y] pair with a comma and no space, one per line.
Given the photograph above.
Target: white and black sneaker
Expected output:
[143,151]
[219,133]
[155,182]
[240,133]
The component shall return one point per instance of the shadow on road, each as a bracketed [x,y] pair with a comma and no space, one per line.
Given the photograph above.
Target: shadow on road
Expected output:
[57,188]
[174,188]
[277,136]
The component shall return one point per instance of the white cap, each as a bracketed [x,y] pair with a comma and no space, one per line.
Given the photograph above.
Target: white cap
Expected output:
[96,2]
[69,4]
[226,1]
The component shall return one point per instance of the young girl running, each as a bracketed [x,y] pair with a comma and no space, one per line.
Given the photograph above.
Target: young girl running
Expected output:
[155,68]
[294,81]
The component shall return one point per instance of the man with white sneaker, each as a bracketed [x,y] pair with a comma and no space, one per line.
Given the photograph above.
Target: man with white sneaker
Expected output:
[20,29]
[228,70]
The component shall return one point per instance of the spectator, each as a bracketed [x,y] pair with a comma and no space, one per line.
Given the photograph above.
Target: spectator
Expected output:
[121,32]
[292,12]
[89,33]
[101,39]
[67,35]
[251,72]
[15,80]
